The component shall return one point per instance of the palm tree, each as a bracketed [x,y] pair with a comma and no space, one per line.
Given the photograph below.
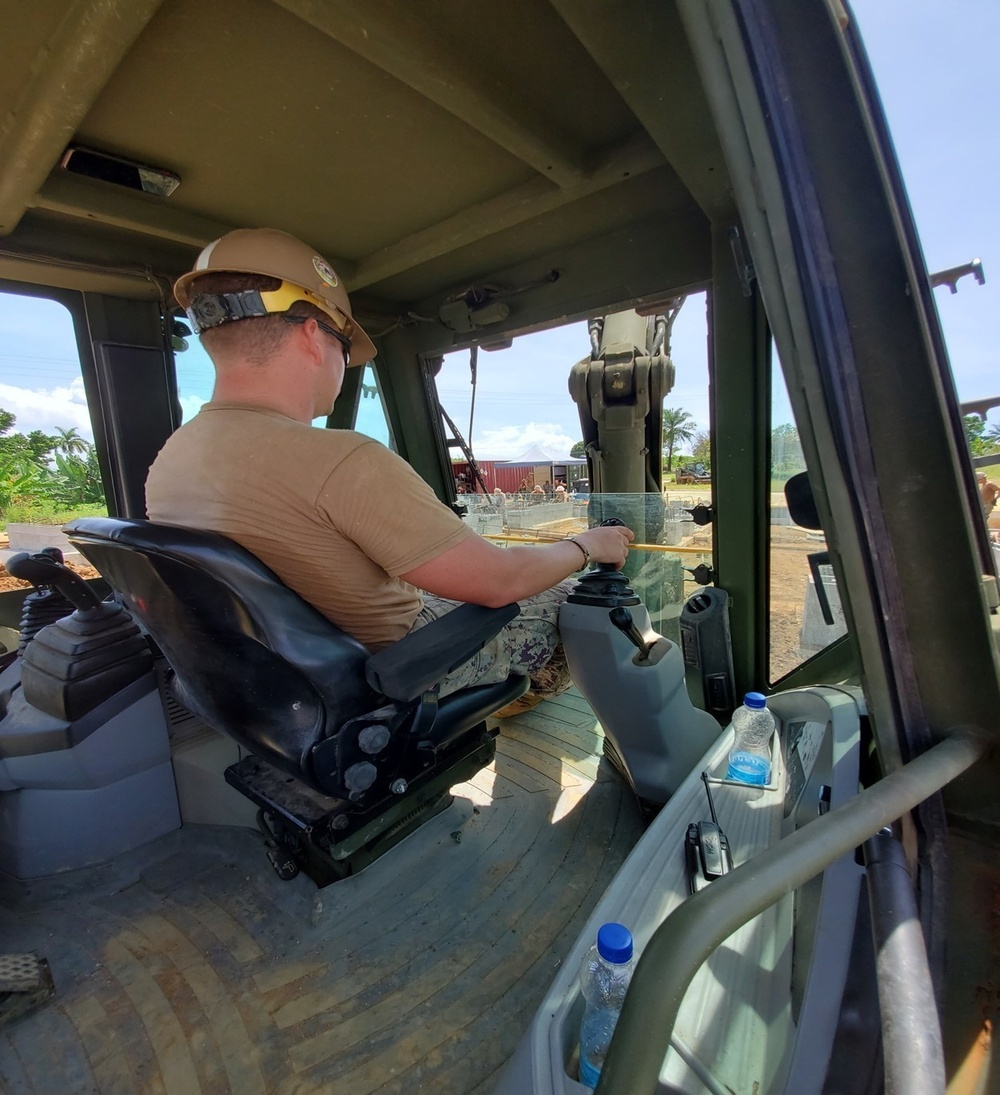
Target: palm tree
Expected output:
[678,426]
[70,442]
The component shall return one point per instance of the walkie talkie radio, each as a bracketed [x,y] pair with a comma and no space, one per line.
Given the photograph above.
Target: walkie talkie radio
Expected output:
[706,848]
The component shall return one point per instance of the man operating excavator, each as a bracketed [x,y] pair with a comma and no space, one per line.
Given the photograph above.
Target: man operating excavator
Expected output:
[338,517]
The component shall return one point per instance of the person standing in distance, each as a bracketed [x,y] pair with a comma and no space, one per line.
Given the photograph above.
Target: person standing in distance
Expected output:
[988,493]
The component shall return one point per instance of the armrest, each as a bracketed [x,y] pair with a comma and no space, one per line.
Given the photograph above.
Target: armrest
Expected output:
[419,660]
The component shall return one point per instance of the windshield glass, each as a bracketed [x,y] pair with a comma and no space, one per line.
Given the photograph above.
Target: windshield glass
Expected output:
[662,572]
[521,465]
[805,613]
[49,470]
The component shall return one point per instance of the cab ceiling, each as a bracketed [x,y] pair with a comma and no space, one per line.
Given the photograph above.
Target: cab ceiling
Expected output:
[422,147]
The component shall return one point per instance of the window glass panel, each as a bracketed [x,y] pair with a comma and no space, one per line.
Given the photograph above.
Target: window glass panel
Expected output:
[527,440]
[195,377]
[659,573]
[800,623]
[371,418]
[48,464]
[984,448]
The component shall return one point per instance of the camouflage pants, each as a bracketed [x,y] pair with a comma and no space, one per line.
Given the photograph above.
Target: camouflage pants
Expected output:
[529,643]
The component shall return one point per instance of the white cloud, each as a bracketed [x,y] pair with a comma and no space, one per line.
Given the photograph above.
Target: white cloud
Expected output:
[509,442]
[45,409]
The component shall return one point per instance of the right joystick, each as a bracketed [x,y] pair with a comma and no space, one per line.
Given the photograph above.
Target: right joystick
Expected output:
[609,568]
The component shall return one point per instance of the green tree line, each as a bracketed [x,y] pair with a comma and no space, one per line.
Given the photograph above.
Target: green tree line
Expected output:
[982,441]
[679,429]
[680,433]
[46,471]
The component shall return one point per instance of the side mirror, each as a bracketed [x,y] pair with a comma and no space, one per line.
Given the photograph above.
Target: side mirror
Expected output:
[801,503]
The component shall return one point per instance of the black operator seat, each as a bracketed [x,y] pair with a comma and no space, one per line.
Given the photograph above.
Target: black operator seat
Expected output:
[257,662]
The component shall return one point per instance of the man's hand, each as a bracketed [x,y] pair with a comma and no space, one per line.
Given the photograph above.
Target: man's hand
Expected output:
[607,543]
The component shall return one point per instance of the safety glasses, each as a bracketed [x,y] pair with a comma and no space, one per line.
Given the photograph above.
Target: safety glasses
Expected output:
[344,341]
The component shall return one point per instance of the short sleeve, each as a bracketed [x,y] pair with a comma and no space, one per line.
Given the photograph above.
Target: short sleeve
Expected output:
[375,499]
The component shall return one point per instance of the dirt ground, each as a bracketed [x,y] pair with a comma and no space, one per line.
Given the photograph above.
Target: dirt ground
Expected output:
[789,581]
[7,582]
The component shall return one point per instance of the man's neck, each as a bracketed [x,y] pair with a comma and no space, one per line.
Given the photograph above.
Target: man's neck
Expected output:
[266,401]
[300,379]
[266,388]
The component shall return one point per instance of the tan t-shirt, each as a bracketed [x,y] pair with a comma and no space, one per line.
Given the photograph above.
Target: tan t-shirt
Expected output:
[336,515]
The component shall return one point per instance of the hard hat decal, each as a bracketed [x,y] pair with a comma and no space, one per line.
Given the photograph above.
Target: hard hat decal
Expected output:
[325,271]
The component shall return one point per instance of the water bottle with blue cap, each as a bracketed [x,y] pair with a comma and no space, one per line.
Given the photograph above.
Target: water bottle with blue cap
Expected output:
[604,980]
[753,727]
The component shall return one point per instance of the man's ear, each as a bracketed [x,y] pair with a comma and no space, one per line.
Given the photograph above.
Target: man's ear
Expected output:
[310,340]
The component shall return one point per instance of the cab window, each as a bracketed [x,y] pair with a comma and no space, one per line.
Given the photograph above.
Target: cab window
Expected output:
[805,616]
[529,480]
[194,374]
[370,417]
[49,470]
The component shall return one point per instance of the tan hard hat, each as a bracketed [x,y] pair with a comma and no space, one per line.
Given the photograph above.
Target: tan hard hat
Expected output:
[276,254]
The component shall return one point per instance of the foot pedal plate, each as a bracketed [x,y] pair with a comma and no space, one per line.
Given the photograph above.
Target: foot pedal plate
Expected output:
[25,982]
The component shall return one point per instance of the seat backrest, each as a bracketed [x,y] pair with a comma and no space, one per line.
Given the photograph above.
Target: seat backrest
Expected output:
[252,658]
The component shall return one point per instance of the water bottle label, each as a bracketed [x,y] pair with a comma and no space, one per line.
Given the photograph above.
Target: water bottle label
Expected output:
[596,1031]
[588,1074]
[748,768]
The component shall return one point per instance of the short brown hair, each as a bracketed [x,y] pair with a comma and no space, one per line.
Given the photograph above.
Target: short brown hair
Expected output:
[256,339]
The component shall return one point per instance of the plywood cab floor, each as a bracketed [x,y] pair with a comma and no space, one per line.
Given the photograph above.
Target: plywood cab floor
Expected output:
[189,967]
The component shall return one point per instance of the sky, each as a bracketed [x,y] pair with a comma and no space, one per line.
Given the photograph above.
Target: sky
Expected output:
[940,86]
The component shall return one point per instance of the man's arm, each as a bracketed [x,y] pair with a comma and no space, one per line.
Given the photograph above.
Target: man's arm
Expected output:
[484,574]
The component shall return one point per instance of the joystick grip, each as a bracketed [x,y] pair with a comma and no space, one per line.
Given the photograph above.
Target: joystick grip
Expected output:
[45,569]
[608,568]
